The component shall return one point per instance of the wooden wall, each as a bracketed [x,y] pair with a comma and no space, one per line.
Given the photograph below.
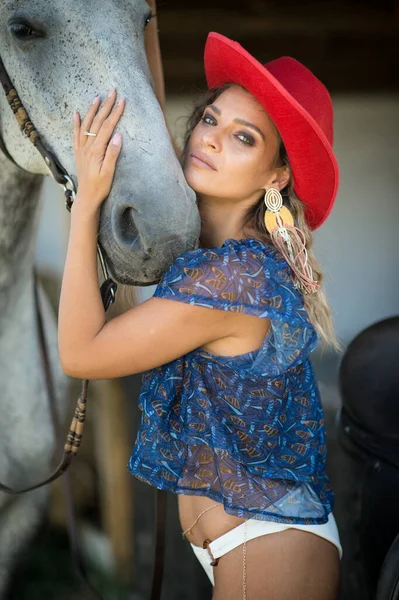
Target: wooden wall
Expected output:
[351,45]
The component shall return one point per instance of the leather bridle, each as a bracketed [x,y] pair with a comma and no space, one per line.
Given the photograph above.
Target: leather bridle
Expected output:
[108,293]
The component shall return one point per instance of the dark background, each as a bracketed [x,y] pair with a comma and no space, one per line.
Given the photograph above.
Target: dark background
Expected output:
[351,45]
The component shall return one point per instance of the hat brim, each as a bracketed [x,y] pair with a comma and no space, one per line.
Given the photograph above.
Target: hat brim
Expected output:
[313,164]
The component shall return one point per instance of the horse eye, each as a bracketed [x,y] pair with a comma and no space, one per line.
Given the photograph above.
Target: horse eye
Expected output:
[23,31]
[148,19]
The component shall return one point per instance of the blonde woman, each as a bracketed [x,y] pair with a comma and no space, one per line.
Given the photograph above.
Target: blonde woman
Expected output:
[231,415]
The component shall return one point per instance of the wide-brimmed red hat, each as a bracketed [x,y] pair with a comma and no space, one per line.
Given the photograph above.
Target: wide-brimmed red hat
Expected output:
[300,107]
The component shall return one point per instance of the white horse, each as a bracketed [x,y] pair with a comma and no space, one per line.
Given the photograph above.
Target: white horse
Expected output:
[59,55]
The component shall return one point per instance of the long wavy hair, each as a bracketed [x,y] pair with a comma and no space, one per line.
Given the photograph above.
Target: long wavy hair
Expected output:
[316,305]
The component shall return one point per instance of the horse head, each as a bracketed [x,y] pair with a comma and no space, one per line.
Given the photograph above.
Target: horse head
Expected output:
[59,56]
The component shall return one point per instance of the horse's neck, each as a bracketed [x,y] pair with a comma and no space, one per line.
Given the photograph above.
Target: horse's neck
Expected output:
[19,214]
[23,394]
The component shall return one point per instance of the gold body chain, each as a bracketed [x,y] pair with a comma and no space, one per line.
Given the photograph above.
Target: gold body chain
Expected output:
[215,561]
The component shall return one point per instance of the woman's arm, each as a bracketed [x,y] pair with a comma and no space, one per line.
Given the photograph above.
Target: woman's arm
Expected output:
[147,336]
[151,334]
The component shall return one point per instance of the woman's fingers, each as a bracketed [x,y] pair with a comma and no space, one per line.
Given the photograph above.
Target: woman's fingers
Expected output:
[104,111]
[88,120]
[102,122]
[111,156]
[96,156]
[76,131]
[105,133]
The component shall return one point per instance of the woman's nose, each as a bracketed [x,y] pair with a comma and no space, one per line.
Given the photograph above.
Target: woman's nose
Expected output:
[212,140]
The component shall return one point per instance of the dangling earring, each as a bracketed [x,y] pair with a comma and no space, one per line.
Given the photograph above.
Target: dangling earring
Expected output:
[289,240]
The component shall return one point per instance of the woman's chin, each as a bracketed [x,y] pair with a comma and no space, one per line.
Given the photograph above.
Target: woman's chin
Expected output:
[198,182]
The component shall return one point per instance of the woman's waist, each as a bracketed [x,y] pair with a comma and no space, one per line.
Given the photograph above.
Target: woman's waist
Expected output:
[203,518]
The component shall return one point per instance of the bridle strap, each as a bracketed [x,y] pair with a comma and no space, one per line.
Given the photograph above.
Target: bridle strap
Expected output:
[27,127]
[108,292]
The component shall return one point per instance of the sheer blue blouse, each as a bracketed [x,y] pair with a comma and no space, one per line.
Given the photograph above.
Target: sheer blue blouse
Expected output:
[247,430]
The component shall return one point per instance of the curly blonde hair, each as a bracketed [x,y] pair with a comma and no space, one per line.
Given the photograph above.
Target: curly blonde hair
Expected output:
[316,305]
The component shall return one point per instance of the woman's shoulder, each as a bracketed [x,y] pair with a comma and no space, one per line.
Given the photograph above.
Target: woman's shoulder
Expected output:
[246,262]
[246,252]
[240,275]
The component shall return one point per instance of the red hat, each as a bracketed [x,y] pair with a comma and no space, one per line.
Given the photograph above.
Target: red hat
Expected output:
[300,107]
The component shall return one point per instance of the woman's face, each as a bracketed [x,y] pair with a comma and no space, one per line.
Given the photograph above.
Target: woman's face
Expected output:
[238,140]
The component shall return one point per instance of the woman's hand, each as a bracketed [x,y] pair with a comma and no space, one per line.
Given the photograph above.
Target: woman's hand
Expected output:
[96,156]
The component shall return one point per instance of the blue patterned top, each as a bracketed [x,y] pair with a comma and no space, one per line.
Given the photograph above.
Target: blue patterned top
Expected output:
[247,430]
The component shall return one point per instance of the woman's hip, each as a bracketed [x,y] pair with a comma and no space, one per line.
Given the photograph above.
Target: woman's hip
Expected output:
[255,528]
[211,551]
[203,518]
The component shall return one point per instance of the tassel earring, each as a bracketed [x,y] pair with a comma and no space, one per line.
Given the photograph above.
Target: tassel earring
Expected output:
[289,240]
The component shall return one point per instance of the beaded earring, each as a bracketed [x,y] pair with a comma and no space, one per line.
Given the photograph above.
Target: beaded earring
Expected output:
[289,240]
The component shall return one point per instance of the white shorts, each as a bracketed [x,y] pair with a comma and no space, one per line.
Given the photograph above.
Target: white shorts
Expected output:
[256,528]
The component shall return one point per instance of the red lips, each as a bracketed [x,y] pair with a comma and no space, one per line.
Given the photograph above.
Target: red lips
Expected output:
[203,158]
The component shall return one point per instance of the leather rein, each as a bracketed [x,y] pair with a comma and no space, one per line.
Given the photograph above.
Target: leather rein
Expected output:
[108,293]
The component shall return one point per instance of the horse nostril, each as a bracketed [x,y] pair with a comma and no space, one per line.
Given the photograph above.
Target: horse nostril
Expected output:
[131,232]
[127,226]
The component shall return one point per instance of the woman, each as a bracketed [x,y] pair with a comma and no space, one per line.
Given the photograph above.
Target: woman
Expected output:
[232,420]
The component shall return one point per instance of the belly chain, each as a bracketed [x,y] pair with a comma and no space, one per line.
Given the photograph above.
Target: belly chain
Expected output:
[215,561]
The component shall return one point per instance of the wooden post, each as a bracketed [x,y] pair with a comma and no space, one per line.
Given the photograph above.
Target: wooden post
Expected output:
[153,52]
[114,444]
[154,58]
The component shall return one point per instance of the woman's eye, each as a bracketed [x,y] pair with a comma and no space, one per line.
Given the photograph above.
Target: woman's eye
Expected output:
[208,119]
[246,139]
